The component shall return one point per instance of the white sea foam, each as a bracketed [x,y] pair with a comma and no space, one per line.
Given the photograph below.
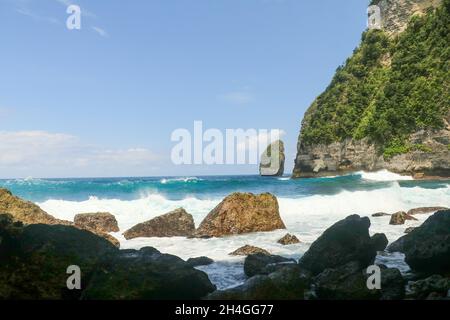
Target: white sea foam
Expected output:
[185,180]
[383,175]
[305,217]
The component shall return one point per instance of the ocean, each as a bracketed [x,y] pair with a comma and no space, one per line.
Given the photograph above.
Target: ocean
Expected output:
[307,206]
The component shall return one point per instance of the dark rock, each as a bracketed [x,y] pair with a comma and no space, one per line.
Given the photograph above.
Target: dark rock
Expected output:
[274,267]
[392,284]
[346,282]
[379,241]
[177,223]
[34,259]
[242,213]
[435,284]
[347,240]
[147,274]
[424,210]
[380,214]
[248,250]
[400,217]
[272,160]
[256,263]
[398,245]
[100,221]
[427,248]
[284,284]
[437,296]
[288,239]
[200,261]
[410,229]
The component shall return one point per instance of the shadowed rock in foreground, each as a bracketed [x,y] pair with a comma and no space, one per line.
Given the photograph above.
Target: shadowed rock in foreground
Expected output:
[427,248]
[199,261]
[34,260]
[336,265]
[284,284]
[261,263]
[147,274]
[347,240]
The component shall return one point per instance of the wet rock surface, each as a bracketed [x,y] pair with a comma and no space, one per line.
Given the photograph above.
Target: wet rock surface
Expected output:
[433,287]
[400,217]
[241,213]
[200,261]
[177,223]
[248,250]
[100,221]
[346,241]
[284,284]
[258,263]
[288,239]
[34,259]
[427,248]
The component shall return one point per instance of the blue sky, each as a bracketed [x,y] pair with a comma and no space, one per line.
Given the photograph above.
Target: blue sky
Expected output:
[104,100]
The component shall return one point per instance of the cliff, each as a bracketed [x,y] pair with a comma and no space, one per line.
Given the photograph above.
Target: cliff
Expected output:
[388,106]
[395,14]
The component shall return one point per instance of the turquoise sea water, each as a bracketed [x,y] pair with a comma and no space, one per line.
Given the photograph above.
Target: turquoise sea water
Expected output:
[177,188]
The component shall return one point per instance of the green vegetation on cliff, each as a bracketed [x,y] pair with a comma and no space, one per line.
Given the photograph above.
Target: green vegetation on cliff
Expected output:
[389,88]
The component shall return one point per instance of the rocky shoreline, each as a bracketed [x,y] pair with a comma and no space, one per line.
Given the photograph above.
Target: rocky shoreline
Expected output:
[36,249]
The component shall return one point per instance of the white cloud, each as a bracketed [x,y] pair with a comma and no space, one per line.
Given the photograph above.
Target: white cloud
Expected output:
[26,12]
[237,97]
[101,32]
[40,153]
